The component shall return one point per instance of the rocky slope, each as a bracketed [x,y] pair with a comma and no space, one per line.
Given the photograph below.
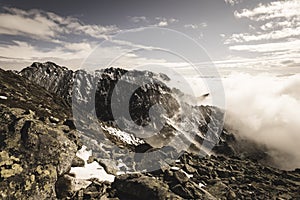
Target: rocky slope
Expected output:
[39,142]
[36,148]
[192,177]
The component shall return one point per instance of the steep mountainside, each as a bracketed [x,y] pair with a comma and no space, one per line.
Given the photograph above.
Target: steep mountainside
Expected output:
[186,127]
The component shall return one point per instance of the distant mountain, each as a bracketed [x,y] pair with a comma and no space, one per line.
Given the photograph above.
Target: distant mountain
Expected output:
[95,91]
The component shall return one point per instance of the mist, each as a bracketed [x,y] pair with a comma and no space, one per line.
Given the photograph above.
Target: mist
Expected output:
[266,109]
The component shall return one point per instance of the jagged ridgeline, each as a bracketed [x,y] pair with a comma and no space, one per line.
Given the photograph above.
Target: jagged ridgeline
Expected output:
[93,93]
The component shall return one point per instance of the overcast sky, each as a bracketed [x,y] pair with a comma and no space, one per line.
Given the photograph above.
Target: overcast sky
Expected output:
[246,35]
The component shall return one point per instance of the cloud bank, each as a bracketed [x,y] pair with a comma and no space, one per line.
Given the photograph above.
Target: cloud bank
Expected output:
[266,109]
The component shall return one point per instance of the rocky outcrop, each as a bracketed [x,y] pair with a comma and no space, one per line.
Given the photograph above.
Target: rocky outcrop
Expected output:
[142,187]
[34,150]
[56,79]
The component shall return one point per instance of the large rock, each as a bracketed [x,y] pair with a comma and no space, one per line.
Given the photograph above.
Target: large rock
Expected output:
[142,187]
[33,155]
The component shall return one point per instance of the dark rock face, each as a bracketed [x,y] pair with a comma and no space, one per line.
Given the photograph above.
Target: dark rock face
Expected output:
[33,152]
[150,92]
[52,77]
[60,80]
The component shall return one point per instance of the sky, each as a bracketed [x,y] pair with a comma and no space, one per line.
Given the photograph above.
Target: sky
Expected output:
[237,35]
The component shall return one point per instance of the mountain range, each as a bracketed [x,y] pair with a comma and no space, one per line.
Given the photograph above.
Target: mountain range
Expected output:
[48,113]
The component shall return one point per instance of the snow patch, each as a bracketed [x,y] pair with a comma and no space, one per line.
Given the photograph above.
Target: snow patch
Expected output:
[92,170]
[175,168]
[187,174]
[123,136]
[201,185]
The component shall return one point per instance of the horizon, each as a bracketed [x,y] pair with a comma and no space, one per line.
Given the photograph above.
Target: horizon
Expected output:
[243,36]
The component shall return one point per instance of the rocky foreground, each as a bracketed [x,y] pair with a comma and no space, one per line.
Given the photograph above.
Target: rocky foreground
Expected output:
[39,142]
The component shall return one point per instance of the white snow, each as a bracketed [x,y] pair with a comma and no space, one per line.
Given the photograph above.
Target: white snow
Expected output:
[125,137]
[92,170]
[188,175]
[201,185]
[175,168]
[3,97]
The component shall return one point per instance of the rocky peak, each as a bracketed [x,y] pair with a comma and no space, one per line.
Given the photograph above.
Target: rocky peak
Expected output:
[54,78]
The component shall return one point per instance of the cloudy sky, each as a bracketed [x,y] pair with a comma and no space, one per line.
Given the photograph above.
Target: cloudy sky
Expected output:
[238,35]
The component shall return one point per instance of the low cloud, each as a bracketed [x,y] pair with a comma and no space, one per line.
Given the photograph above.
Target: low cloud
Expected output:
[266,109]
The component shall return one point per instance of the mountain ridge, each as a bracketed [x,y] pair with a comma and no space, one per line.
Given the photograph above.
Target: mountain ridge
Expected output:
[35,119]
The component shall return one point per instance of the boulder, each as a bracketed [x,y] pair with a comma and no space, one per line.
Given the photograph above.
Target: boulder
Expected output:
[142,187]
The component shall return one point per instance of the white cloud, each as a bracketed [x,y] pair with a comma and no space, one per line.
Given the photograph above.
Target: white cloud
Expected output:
[268,47]
[232,2]
[137,19]
[26,51]
[265,109]
[39,24]
[173,20]
[276,9]
[162,21]
[195,26]
[19,54]
[251,27]
[192,26]
[274,35]
[157,21]
[52,28]
[82,46]
[271,35]
[281,20]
